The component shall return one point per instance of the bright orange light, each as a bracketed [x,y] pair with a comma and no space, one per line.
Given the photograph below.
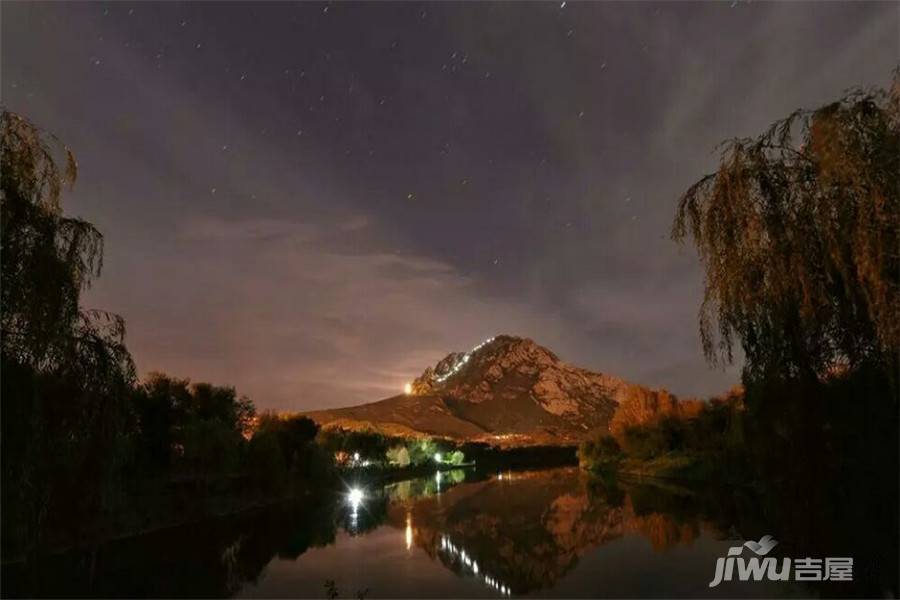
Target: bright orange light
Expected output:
[409,532]
[407,389]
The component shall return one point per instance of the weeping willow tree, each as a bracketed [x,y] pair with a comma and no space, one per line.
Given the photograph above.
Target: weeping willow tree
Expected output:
[66,371]
[799,234]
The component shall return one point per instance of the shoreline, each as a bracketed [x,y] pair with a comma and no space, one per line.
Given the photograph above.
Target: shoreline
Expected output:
[228,505]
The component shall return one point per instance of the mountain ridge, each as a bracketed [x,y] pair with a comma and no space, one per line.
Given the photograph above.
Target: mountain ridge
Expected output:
[507,390]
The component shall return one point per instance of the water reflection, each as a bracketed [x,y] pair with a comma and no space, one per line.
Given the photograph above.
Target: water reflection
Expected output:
[465,562]
[453,534]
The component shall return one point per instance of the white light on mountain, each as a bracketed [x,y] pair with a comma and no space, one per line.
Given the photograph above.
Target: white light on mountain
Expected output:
[407,389]
[460,362]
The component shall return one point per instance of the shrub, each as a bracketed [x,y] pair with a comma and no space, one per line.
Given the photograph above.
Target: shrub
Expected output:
[602,453]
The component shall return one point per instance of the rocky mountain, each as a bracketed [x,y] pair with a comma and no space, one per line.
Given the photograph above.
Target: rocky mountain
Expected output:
[507,390]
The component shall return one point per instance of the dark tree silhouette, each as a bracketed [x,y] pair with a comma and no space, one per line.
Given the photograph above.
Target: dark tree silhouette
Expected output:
[798,233]
[66,371]
[48,259]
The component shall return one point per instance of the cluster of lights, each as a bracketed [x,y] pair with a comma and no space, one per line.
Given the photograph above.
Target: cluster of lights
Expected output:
[460,362]
[470,563]
[357,460]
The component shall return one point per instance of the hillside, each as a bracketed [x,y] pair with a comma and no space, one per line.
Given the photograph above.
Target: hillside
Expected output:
[506,390]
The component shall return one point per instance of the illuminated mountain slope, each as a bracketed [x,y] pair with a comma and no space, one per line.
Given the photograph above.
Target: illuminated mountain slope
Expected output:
[506,389]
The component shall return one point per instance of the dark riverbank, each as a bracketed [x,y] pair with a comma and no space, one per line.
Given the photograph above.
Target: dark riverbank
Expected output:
[554,532]
[151,506]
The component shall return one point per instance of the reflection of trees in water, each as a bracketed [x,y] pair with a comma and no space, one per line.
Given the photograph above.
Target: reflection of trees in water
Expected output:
[422,487]
[527,530]
[524,532]
[214,558]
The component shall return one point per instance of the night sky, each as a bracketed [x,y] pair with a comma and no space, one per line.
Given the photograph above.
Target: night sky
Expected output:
[313,202]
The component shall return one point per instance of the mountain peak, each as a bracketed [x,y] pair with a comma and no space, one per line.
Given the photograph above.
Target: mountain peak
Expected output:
[513,384]
[498,352]
[506,388]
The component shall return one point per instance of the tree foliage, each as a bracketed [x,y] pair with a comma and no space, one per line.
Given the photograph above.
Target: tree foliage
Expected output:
[66,371]
[398,456]
[48,259]
[78,432]
[798,233]
[602,452]
[204,422]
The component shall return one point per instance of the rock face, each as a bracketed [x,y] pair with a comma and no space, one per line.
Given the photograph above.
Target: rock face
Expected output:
[511,390]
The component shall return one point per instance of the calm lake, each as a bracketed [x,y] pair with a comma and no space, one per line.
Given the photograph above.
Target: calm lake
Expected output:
[464,533]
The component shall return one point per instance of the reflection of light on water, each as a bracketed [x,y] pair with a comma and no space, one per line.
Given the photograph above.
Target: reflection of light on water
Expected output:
[470,563]
[437,480]
[354,498]
[409,539]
